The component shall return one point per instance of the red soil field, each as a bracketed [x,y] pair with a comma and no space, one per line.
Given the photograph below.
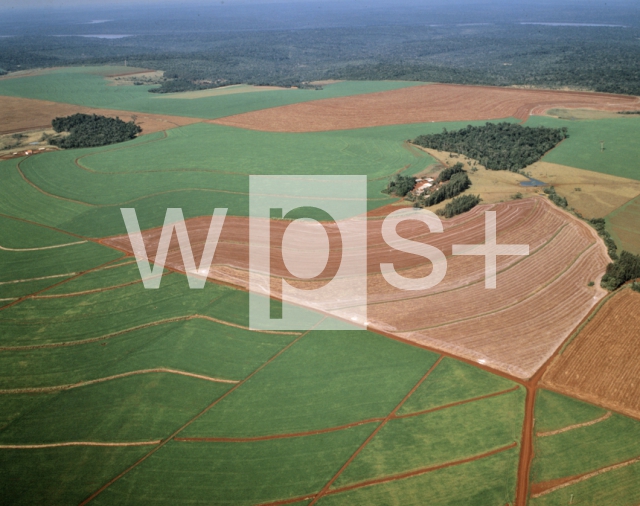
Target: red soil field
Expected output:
[21,114]
[514,329]
[421,104]
[602,364]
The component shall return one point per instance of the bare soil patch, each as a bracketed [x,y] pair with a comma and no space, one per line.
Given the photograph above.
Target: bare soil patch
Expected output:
[23,114]
[418,104]
[602,364]
[216,92]
[539,301]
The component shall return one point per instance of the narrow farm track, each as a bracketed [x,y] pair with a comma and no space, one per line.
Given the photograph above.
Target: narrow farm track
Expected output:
[604,417]
[163,370]
[43,247]
[139,327]
[77,443]
[542,489]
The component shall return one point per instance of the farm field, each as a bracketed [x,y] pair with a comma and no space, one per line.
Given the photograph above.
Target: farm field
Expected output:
[114,394]
[623,226]
[119,396]
[600,362]
[457,316]
[582,148]
[420,104]
[90,87]
[583,454]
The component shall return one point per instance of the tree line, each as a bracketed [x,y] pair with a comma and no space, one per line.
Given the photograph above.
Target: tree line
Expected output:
[89,130]
[497,146]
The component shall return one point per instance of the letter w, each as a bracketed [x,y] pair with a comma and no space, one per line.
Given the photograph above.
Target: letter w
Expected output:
[174,219]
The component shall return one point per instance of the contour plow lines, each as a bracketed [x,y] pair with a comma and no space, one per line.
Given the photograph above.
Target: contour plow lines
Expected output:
[114,377]
[43,247]
[139,327]
[604,417]
[205,410]
[251,439]
[542,489]
[78,443]
[476,314]
[95,290]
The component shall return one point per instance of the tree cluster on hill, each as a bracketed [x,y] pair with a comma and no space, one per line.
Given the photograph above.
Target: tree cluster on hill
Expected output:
[497,146]
[625,268]
[448,172]
[555,198]
[458,183]
[400,185]
[88,130]
[599,225]
[459,205]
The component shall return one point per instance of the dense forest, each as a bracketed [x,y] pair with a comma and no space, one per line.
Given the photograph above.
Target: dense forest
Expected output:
[497,146]
[458,183]
[88,130]
[290,45]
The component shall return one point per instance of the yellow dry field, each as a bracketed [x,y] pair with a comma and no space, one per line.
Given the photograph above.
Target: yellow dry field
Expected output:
[216,92]
[493,186]
[19,142]
[577,114]
[147,77]
[592,194]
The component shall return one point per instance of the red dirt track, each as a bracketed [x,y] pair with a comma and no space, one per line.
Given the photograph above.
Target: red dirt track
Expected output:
[458,316]
[421,104]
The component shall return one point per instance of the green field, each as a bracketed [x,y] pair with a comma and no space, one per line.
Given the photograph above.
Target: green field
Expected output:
[582,450]
[623,226]
[87,87]
[582,148]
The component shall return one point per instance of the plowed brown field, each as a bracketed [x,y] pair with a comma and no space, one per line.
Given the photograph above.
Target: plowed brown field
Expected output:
[602,364]
[419,104]
[20,114]
[515,328]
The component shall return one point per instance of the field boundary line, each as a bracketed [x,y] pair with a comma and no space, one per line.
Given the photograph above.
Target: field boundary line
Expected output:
[114,377]
[568,428]
[96,290]
[585,477]
[189,422]
[38,279]
[459,403]
[138,327]
[76,443]
[327,486]
[275,436]
[43,247]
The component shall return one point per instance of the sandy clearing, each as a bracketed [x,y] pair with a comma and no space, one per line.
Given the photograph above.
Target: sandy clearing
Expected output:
[419,104]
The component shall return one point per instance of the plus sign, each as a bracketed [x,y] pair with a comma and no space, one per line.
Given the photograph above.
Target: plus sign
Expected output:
[490,250]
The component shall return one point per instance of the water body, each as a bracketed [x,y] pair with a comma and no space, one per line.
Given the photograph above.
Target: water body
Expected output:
[533,182]
[573,24]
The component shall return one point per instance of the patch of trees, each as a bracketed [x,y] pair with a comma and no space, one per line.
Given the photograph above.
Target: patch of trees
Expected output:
[88,130]
[458,183]
[635,287]
[459,205]
[448,172]
[400,185]
[625,268]
[497,146]
[555,198]
[628,112]
[599,224]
